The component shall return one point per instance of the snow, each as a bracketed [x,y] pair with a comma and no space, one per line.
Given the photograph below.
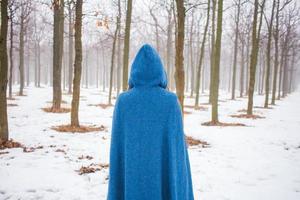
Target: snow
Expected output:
[259,161]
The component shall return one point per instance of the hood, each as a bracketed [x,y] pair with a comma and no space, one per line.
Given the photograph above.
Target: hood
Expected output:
[147,69]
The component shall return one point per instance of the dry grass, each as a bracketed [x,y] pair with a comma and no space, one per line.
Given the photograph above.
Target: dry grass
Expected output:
[60,110]
[101,105]
[195,142]
[92,168]
[80,129]
[223,124]
[9,144]
[247,116]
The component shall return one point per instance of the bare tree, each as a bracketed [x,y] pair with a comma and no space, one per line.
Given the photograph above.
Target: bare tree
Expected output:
[179,68]
[77,65]
[3,71]
[58,40]
[216,65]
[112,62]
[254,53]
[126,44]
[201,56]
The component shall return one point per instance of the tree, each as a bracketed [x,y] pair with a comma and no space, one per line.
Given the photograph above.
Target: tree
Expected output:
[58,40]
[77,65]
[212,48]
[126,44]
[12,11]
[25,10]
[254,53]
[179,68]
[70,4]
[112,62]
[199,67]
[216,65]
[3,71]
[270,30]
[236,32]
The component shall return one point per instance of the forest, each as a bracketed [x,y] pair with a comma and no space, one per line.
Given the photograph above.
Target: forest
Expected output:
[233,64]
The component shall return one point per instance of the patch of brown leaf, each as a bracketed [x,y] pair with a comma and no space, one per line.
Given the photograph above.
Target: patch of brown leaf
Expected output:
[85,157]
[9,144]
[92,168]
[80,129]
[195,142]
[60,110]
[101,105]
[60,151]
[223,124]
[31,149]
[247,116]
[187,112]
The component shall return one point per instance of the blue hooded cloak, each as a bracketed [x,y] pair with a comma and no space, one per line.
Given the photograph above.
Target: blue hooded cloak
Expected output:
[148,153]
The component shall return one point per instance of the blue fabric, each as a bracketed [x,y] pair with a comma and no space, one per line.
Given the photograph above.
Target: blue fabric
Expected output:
[148,154]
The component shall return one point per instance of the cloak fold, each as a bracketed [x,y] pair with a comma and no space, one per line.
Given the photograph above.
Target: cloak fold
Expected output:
[148,153]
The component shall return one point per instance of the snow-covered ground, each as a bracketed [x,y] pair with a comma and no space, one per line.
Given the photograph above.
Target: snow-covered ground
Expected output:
[259,161]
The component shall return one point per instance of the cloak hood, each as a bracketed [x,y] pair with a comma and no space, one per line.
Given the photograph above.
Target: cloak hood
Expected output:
[147,69]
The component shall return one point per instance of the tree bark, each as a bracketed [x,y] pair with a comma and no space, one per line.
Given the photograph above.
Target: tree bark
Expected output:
[77,65]
[3,71]
[254,53]
[199,68]
[71,48]
[276,62]
[179,59]
[267,84]
[57,52]
[11,51]
[112,62]
[21,56]
[212,48]
[237,22]
[216,65]
[127,44]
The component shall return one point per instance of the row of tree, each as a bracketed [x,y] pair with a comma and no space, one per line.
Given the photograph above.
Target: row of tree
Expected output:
[257,37]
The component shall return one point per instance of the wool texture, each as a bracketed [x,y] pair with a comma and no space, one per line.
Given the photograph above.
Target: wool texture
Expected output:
[148,153]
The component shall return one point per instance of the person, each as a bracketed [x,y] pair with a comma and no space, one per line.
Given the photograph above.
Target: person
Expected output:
[148,153]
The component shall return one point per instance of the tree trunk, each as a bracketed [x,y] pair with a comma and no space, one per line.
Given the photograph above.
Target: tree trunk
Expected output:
[199,68]
[127,44]
[276,63]
[3,71]
[216,65]
[11,53]
[254,53]
[212,48]
[71,48]
[21,56]
[77,65]
[179,59]
[112,62]
[57,52]
[270,29]
[242,70]
[237,22]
